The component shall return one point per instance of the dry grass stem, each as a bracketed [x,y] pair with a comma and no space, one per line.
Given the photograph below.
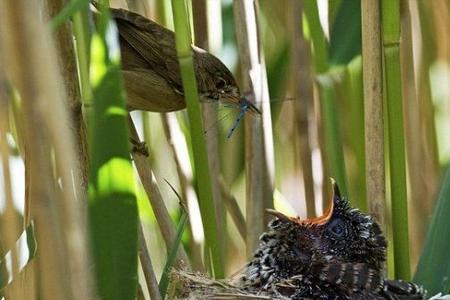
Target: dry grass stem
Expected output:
[303,90]
[60,223]
[148,181]
[414,155]
[180,153]
[63,37]
[191,286]
[259,141]
[373,109]
[209,114]
[233,208]
[147,267]
[10,225]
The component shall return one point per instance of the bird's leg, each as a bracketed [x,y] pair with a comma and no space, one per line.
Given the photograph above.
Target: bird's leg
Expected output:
[139,147]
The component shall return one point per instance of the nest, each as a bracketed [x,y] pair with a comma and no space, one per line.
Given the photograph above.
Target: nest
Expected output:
[186,285]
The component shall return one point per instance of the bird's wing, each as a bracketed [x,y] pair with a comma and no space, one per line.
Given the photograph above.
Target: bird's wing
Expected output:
[357,277]
[399,289]
[154,44]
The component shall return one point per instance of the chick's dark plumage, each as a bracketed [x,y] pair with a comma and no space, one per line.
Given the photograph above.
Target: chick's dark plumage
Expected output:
[340,255]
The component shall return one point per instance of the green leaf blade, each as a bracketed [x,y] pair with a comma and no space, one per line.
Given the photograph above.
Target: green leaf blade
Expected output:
[113,214]
[433,270]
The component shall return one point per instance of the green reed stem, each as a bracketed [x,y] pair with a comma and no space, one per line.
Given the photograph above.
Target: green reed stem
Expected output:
[397,166]
[184,50]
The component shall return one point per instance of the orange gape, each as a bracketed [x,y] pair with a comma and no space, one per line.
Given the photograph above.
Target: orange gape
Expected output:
[321,220]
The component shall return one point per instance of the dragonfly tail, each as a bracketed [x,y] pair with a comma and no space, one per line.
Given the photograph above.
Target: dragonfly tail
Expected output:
[236,123]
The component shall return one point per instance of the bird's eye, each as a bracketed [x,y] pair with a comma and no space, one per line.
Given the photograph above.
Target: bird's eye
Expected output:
[220,83]
[337,228]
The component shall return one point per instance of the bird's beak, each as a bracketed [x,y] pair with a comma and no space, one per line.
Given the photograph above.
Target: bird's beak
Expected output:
[279,215]
[253,108]
[238,101]
[230,99]
[320,220]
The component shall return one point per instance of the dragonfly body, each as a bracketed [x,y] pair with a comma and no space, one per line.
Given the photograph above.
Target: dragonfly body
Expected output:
[244,107]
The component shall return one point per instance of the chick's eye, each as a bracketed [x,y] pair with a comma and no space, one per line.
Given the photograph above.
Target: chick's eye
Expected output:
[220,83]
[337,228]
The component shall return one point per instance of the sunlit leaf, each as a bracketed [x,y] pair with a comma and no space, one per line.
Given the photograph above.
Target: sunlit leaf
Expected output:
[433,270]
[113,212]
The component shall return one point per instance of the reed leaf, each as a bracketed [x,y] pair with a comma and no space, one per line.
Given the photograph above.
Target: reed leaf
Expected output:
[345,35]
[82,33]
[67,12]
[200,156]
[333,152]
[112,202]
[349,94]
[164,282]
[433,270]
[320,44]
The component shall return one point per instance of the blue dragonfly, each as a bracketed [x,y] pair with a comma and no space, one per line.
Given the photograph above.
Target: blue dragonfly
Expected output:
[243,107]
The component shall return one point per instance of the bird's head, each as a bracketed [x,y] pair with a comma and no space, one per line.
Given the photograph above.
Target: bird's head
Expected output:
[215,81]
[342,238]
[342,234]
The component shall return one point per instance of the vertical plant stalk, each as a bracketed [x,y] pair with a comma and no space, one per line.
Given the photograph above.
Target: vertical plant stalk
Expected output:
[233,208]
[373,110]
[82,34]
[59,228]
[23,286]
[259,140]
[147,267]
[418,193]
[137,6]
[68,68]
[148,181]
[140,293]
[184,50]
[431,41]
[430,168]
[333,161]
[350,95]
[303,90]
[334,153]
[200,9]
[397,164]
[179,149]
[10,226]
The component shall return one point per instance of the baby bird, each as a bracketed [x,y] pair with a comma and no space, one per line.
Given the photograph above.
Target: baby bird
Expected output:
[340,255]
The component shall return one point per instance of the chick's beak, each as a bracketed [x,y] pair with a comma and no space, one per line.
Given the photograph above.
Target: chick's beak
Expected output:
[320,220]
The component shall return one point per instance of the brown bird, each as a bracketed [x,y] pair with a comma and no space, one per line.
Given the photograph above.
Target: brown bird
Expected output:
[151,70]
